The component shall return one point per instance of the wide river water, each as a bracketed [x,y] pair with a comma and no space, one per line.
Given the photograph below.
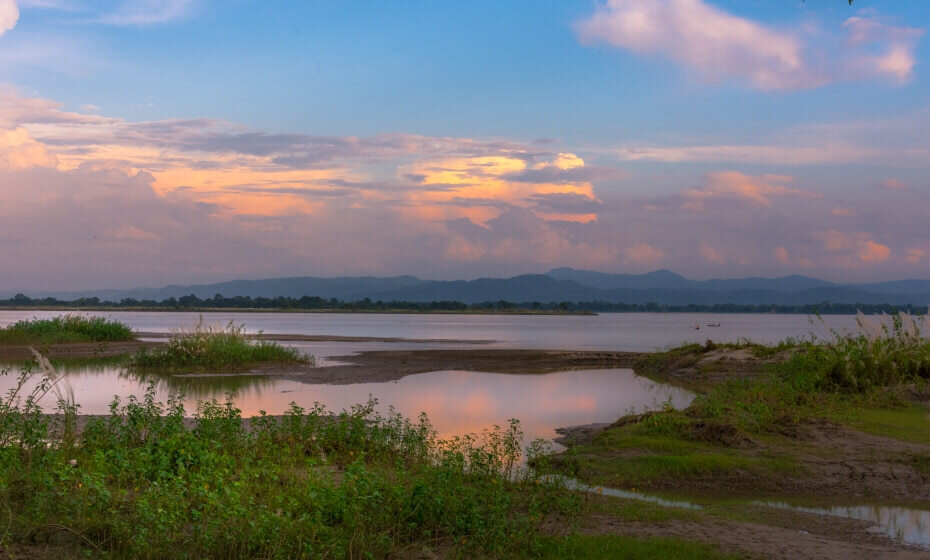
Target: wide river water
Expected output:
[456,401]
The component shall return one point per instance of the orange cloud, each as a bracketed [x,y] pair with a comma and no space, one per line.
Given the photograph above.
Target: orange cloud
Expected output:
[736,186]
[18,150]
[853,247]
[449,185]
[711,254]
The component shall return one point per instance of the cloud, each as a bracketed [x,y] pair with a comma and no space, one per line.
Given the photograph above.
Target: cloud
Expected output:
[893,184]
[899,141]
[9,15]
[735,186]
[643,254]
[711,254]
[781,255]
[914,255]
[148,12]
[884,49]
[718,45]
[19,151]
[858,246]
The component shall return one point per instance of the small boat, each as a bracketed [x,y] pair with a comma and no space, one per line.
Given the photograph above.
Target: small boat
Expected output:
[713,324]
[697,326]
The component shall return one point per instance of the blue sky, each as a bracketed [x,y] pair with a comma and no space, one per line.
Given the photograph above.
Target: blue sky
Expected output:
[720,138]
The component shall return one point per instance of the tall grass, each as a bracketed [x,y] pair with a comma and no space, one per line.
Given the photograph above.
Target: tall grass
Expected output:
[145,483]
[65,328]
[208,348]
[885,352]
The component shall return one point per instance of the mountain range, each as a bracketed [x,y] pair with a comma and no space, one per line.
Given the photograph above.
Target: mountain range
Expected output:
[560,284]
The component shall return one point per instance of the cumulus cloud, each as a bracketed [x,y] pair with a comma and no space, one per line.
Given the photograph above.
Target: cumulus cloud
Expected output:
[884,49]
[859,246]
[91,200]
[711,254]
[735,186]
[718,45]
[9,15]
[19,151]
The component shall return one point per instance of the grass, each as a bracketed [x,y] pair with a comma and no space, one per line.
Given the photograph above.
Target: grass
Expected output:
[628,548]
[865,380]
[65,328]
[209,349]
[145,483]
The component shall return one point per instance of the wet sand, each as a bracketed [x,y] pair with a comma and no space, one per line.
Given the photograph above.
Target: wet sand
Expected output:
[391,365]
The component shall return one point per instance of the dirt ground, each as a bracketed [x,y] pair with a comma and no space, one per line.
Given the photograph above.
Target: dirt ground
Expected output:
[390,365]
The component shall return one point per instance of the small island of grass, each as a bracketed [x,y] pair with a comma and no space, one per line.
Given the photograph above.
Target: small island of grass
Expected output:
[206,349]
[65,329]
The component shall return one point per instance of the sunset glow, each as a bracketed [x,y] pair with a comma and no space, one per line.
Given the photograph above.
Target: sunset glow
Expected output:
[712,137]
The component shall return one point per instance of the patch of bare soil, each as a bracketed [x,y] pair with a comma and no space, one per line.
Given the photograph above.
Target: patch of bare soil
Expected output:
[380,366]
[820,538]
[74,349]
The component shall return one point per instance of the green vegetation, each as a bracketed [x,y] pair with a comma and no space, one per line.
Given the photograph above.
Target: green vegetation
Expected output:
[747,426]
[65,328]
[205,348]
[144,483]
[628,548]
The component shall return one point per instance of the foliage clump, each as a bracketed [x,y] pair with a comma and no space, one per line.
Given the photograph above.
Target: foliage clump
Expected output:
[208,349]
[65,328]
[148,482]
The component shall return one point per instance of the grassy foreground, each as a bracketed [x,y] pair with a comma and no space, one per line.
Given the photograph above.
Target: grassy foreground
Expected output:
[758,433]
[65,328]
[205,349]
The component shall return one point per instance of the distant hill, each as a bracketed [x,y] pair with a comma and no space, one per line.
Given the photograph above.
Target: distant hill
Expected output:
[558,285]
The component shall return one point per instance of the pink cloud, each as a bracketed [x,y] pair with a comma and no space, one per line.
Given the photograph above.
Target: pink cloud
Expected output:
[643,254]
[914,255]
[853,246]
[736,186]
[781,255]
[719,45]
[893,184]
[895,47]
[711,254]
[9,15]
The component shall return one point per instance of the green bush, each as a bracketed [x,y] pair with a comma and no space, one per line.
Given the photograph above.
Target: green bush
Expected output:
[206,348]
[65,328]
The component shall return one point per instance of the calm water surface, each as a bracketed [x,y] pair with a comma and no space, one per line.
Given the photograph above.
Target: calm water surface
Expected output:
[607,331]
[457,402]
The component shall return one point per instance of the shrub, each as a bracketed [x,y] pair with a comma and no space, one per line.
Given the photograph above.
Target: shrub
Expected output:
[206,348]
[65,328]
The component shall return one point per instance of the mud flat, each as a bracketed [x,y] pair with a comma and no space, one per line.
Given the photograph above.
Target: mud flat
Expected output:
[390,365]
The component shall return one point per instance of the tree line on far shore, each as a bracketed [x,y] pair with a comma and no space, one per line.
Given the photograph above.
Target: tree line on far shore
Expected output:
[315,303]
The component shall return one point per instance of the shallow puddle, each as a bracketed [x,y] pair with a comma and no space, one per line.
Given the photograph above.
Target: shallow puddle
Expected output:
[457,402]
[910,526]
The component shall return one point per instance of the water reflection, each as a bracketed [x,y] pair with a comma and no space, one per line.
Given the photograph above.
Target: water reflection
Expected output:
[910,526]
[575,484]
[607,331]
[457,402]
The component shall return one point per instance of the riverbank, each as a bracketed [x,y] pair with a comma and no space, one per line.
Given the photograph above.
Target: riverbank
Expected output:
[767,433]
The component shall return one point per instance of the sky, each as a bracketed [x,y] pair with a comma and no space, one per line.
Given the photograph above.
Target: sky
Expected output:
[151,142]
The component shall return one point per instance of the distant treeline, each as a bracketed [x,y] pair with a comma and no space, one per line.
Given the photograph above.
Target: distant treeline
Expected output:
[310,303]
